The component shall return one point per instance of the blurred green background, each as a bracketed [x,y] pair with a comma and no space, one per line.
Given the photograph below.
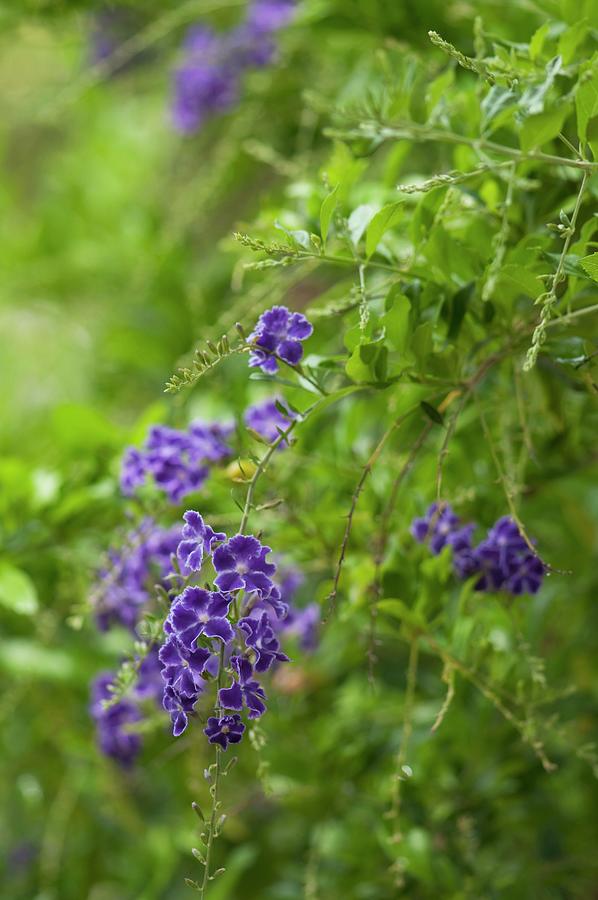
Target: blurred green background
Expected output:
[117,259]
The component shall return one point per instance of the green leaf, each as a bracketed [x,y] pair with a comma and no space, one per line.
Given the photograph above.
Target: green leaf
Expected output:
[329,204]
[497,101]
[459,303]
[539,129]
[533,98]
[368,352]
[298,238]
[432,413]
[536,43]
[385,219]
[368,362]
[586,100]
[356,368]
[590,265]
[381,364]
[17,591]
[437,89]
[342,169]
[571,39]
[399,610]
[359,220]
[516,280]
[421,344]
[396,320]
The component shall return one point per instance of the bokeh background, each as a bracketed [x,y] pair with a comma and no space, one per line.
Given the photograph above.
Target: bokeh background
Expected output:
[117,257]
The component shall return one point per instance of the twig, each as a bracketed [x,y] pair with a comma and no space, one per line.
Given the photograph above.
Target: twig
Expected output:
[395,807]
[382,542]
[415,132]
[488,692]
[331,599]
[549,299]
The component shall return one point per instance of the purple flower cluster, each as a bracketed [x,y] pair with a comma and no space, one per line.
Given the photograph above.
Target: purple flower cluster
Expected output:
[206,626]
[507,563]
[207,82]
[503,560]
[124,585]
[268,420]
[116,722]
[178,462]
[278,333]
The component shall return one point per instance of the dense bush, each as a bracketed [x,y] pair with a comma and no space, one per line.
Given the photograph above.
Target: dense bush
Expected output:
[322,275]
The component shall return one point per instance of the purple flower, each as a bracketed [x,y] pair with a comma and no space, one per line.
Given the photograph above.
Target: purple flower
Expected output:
[207,82]
[270,15]
[133,471]
[503,560]
[125,584]
[197,540]
[278,333]
[225,730]
[240,563]
[179,707]
[114,723]
[303,624]
[527,575]
[176,461]
[183,668]
[436,526]
[182,673]
[268,421]
[244,690]
[208,440]
[198,612]
[261,638]
[506,562]
[290,580]
[251,46]
[464,557]
[149,683]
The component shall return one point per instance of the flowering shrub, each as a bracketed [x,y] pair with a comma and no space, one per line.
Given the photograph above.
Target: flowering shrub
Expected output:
[336,585]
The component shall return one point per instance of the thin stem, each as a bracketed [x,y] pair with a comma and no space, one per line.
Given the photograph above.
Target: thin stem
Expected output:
[504,480]
[499,243]
[262,466]
[571,146]
[417,132]
[352,262]
[265,460]
[382,542]
[446,441]
[490,694]
[395,807]
[214,789]
[550,298]
[331,599]
[584,311]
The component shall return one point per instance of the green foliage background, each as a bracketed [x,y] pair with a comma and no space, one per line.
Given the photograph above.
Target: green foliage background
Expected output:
[118,260]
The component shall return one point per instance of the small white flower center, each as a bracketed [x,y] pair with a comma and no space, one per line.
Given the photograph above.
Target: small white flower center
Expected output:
[242,568]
